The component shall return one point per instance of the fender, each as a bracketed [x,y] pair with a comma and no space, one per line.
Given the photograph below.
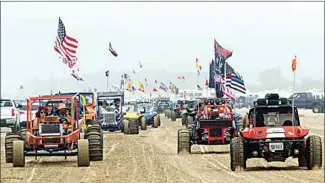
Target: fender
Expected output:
[131,115]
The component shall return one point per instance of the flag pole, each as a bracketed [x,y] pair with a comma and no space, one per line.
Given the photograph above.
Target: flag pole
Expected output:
[107,80]
[293,67]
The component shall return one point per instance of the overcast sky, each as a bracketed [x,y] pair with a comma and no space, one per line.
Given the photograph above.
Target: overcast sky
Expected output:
[161,35]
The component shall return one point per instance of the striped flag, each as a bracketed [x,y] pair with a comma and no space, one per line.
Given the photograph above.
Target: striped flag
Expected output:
[236,82]
[66,46]
[225,89]
[113,52]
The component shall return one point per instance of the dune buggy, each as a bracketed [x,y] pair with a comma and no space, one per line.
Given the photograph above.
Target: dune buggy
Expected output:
[148,115]
[272,133]
[176,109]
[213,124]
[53,135]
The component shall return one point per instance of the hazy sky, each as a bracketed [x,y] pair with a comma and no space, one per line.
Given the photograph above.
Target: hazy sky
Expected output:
[161,35]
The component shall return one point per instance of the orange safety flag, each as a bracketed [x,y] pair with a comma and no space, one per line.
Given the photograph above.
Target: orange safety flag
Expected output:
[294,64]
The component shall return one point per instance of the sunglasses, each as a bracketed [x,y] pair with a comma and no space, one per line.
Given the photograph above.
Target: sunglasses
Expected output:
[42,112]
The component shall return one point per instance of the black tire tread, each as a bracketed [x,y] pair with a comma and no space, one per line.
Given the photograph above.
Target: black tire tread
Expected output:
[184,141]
[314,152]
[10,137]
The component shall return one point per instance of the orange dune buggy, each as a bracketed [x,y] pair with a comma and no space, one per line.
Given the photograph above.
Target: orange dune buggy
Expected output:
[54,135]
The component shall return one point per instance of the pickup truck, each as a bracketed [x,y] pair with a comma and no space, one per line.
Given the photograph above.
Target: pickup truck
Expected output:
[10,114]
[309,101]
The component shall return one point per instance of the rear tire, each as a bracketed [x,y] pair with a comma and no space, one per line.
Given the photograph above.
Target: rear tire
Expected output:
[134,126]
[317,109]
[95,145]
[155,121]
[314,152]
[143,123]
[240,123]
[184,141]
[158,120]
[126,128]
[237,154]
[18,156]
[9,139]
[173,116]
[83,152]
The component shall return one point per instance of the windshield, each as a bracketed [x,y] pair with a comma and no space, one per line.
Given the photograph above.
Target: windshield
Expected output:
[275,116]
[6,103]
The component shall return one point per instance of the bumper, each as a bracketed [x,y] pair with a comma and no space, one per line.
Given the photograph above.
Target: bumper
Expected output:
[8,122]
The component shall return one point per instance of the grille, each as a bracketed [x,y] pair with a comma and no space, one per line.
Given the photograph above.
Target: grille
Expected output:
[215,132]
[109,118]
[50,128]
[56,140]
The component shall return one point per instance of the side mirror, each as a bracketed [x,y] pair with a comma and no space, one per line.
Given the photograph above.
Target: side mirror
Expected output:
[19,106]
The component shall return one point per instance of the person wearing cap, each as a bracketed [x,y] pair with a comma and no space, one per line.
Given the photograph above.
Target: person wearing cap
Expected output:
[61,111]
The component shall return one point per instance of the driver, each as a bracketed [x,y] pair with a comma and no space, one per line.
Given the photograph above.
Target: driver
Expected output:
[117,103]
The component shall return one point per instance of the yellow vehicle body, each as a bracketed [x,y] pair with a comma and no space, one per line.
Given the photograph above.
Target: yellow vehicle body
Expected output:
[83,102]
[131,115]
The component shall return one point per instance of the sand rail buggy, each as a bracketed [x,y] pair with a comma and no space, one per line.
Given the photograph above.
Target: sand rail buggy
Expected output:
[109,110]
[162,105]
[213,125]
[54,135]
[148,115]
[176,109]
[271,134]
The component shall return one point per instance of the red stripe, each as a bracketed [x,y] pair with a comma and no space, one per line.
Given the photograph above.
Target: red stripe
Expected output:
[69,51]
[62,49]
[70,45]
[71,39]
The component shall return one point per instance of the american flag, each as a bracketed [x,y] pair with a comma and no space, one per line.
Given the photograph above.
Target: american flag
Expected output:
[113,52]
[236,82]
[225,89]
[66,46]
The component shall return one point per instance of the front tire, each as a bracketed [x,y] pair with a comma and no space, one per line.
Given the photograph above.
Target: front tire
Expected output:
[173,116]
[184,141]
[237,154]
[317,109]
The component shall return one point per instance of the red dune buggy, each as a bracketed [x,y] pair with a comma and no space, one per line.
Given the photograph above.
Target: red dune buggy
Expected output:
[213,125]
[274,134]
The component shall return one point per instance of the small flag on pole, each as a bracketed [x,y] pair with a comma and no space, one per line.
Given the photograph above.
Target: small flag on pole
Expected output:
[294,64]
[113,52]
[107,73]
[21,87]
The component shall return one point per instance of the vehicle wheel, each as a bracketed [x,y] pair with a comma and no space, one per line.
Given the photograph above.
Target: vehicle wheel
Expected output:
[173,116]
[95,146]
[184,119]
[184,141]
[93,128]
[83,152]
[237,154]
[168,114]
[302,162]
[18,156]
[134,126]
[317,109]
[314,152]
[143,123]
[10,137]
[126,128]
[165,114]
[155,121]
[91,122]
[158,120]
